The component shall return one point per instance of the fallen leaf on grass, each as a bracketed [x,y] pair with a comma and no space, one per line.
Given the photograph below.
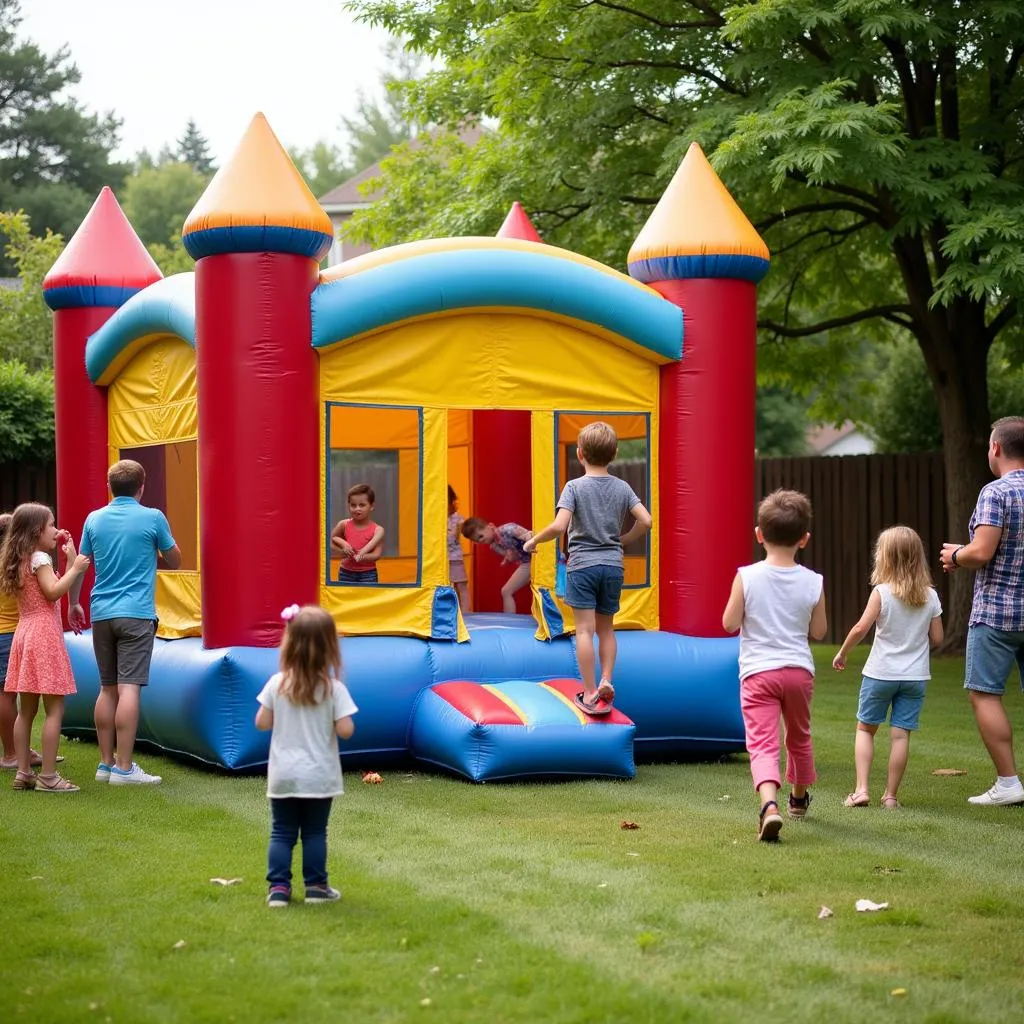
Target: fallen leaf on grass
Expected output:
[628,825]
[225,881]
[880,869]
[631,854]
[373,778]
[602,885]
[863,906]
[898,992]
[948,771]
[425,1002]
[825,912]
[725,797]
[180,944]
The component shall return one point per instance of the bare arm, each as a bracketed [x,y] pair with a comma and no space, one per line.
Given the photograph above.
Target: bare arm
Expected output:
[338,542]
[936,634]
[557,526]
[264,719]
[819,621]
[974,555]
[344,727]
[54,589]
[859,630]
[732,617]
[172,557]
[641,524]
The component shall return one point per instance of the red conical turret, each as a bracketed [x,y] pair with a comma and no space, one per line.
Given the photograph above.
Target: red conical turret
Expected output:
[518,225]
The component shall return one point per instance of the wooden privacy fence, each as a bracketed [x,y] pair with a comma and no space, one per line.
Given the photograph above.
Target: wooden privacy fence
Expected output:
[855,497]
[27,481]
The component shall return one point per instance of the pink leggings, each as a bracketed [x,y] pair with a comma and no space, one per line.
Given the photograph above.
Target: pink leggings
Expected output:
[764,698]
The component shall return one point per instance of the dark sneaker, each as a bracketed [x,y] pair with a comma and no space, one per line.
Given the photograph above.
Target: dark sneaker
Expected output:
[798,806]
[279,896]
[322,894]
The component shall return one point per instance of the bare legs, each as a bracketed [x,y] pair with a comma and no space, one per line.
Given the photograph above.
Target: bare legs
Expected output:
[8,714]
[864,753]
[996,731]
[588,622]
[519,579]
[54,710]
[117,721]
[462,591]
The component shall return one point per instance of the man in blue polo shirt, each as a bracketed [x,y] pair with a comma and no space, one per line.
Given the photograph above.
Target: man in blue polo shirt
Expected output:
[123,539]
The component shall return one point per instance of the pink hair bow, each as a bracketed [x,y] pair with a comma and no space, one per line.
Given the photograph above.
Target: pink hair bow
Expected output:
[289,613]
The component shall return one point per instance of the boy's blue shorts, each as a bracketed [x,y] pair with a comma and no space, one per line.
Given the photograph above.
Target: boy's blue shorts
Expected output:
[597,586]
[905,695]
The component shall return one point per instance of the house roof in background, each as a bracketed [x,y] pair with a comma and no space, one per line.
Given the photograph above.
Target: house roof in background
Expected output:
[347,193]
[824,435]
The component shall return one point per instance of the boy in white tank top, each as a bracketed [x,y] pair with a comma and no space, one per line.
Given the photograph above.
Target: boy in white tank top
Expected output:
[776,604]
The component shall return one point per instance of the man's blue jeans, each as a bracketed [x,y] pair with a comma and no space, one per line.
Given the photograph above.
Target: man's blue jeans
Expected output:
[289,818]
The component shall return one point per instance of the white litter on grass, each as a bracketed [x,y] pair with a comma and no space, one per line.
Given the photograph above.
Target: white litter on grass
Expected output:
[630,853]
[225,881]
[825,912]
[180,944]
[864,906]
[602,885]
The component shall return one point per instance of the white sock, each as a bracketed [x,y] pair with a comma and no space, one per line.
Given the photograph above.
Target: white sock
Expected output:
[1008,781]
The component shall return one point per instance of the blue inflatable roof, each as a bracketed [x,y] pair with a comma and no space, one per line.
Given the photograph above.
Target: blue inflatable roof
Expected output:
[438,282]
[165,307]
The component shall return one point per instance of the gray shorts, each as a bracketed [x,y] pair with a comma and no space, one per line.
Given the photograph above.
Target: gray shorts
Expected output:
[123,649]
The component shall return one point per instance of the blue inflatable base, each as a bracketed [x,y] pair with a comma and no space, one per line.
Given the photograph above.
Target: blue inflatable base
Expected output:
[682,693]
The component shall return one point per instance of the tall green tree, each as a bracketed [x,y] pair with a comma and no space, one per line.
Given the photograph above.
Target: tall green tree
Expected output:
[158,199]
[877,145]
[323,165]
[54,155]
[26,323]
[193,149]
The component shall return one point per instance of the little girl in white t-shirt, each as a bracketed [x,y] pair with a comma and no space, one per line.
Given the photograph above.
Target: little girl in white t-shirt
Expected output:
[906,613]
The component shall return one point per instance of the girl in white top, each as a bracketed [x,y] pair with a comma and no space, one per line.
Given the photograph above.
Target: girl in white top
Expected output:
[308,709]
[905,611]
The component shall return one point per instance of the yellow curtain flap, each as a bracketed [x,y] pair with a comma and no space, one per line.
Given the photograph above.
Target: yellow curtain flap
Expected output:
[178,604]
[542,457]
[435,497]
[367,611]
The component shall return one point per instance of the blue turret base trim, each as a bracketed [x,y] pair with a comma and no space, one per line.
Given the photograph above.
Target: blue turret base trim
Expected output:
[87,296]
[703,265]
[260,238]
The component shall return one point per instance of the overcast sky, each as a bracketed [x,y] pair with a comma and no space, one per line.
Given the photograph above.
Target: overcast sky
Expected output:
[156,63]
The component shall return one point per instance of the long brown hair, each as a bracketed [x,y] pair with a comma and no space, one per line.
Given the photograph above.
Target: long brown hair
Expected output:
[22,538]
[900,561]
[310,656]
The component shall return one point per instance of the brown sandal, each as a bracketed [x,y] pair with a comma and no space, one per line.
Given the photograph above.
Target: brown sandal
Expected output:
[858,798]
[54,784]
[24,780]
[605,690]
[890,803]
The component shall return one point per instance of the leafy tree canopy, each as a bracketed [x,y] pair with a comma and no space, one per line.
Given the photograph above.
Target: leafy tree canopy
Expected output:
[54,156]
[156,200]
[323,165]
[26,413]
[26,324]
[877,145]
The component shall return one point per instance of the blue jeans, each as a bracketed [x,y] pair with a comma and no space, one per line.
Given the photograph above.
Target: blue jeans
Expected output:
[288,818]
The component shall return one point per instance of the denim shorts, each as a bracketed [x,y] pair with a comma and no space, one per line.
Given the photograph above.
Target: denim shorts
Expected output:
[6,639]
[353,577]
[596,587]
[990,656]
[905,695]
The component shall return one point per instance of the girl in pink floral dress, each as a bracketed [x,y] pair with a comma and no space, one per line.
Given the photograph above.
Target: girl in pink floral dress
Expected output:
[39,665]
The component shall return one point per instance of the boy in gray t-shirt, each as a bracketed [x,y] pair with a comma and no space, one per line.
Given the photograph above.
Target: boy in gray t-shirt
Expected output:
[592,509]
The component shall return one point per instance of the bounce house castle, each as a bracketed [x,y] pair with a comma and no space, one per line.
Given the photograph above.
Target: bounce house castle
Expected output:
[257,390]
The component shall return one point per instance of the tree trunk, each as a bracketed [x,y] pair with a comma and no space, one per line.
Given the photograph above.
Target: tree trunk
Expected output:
[958,364]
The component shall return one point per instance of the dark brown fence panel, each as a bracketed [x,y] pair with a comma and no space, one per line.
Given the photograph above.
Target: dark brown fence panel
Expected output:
[26,481]
[855,497]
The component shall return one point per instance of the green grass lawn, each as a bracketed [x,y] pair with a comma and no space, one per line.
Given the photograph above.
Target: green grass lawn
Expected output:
[528,902]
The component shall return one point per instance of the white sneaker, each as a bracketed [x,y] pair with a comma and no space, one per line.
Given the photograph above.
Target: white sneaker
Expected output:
[103,771]
[999,796]
[134,777]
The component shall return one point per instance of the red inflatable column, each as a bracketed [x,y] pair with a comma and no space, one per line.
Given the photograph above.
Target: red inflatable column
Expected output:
[102,266]
[502,493]
[700,252]
[706,482]
[258,234]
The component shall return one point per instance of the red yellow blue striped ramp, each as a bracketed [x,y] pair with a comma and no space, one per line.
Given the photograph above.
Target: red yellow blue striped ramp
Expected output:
[517,728]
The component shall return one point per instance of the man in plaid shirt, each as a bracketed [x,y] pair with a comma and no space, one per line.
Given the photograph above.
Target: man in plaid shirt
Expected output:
[995,636]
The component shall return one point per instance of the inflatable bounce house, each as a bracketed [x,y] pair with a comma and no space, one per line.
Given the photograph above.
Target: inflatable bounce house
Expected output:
[257,390]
